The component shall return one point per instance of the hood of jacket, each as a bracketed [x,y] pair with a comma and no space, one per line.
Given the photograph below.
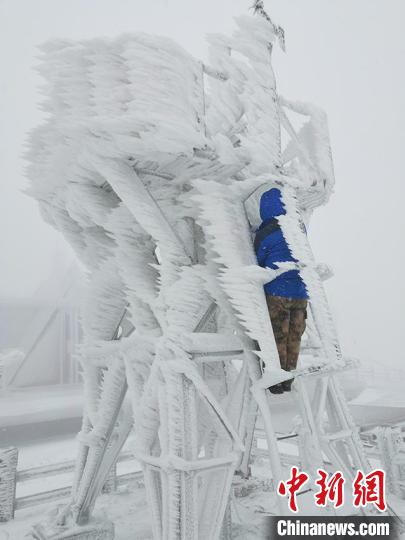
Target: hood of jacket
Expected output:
[264,204]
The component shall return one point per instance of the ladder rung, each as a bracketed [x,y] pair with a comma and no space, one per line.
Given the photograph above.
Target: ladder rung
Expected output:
[216,356]
[292,436]
[303,492]
[261,434]
[321,369]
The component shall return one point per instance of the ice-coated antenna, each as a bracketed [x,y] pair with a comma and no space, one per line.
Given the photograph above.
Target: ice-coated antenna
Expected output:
[258,9]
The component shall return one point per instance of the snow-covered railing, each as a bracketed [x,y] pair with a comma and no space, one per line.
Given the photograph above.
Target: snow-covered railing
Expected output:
[9,503]
[8,469]
[10,476]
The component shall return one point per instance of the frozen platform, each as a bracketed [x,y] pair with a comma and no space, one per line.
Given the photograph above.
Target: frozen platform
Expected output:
[376,407]
[40,404]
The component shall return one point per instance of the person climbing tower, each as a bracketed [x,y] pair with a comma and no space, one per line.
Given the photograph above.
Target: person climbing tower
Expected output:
[286,295]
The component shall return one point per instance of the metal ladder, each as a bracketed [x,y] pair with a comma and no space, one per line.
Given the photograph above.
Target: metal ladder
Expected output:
[327,435]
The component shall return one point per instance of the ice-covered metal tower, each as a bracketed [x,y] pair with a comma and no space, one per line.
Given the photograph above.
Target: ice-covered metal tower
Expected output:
[144,163]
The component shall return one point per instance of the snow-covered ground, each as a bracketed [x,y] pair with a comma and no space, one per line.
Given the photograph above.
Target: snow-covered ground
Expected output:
[128,509]
[380,399]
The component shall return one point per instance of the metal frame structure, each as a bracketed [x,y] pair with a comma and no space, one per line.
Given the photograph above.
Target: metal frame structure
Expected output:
[176,318]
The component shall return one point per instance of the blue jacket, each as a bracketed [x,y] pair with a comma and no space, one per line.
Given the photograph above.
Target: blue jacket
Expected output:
[271,247]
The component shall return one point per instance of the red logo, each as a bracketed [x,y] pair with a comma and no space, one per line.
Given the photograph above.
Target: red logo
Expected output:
[294,484]
[367,489]
[330,489]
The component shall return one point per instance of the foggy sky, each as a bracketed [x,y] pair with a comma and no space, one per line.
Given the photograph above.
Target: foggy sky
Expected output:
[346,56]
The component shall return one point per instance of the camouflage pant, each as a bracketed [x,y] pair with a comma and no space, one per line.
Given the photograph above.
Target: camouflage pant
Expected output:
[288,319]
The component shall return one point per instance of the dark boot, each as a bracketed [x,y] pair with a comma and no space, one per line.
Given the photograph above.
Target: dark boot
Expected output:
[287,385]
[276,388]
